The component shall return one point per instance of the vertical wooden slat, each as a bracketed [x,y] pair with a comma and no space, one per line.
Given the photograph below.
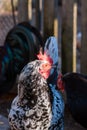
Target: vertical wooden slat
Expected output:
[74,35]
[48,18]
[67,36]
[22,10]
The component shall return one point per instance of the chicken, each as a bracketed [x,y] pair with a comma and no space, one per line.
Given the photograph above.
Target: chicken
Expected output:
[31,109]
[51,49]
[75,86]
[19,48]
[36,106]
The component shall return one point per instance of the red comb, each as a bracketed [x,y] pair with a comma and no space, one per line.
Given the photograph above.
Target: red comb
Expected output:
[45,57]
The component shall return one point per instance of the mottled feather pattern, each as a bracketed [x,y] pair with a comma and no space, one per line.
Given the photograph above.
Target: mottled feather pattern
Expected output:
[31,110]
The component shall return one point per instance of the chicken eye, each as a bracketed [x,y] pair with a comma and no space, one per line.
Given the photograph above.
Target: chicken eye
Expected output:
[46,65]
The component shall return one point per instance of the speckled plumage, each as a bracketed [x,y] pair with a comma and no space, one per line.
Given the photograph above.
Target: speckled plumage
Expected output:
[31,109]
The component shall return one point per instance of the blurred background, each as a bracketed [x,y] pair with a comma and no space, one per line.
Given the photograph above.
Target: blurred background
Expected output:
[65,19]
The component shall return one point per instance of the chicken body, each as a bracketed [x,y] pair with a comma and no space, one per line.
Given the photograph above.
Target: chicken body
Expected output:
[75,85]
[31,109]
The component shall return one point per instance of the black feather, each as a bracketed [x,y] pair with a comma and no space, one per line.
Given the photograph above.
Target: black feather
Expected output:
[76,90]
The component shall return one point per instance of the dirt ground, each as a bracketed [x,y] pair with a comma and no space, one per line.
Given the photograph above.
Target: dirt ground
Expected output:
[5,103]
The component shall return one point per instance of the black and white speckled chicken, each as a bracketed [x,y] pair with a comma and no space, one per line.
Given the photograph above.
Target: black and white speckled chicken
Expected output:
[31,109]
[38,105]
[20,47]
